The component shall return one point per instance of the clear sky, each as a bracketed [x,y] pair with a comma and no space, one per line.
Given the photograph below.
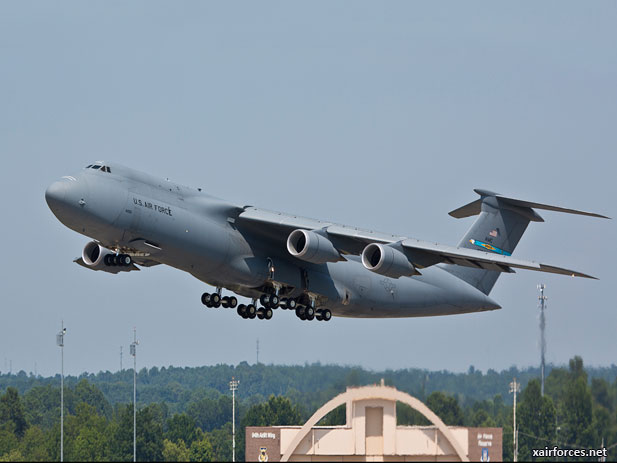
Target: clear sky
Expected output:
[382,115]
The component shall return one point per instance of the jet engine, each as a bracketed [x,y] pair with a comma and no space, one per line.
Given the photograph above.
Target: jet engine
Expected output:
[387,261]
[311,247]
[97,257]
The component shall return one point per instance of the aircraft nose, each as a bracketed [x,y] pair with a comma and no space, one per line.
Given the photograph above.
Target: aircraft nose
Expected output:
[55,195]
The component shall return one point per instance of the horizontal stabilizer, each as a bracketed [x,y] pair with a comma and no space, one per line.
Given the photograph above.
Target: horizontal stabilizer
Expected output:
[475,207]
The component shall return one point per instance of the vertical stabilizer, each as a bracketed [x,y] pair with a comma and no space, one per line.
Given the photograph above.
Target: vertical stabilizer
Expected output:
[499,227]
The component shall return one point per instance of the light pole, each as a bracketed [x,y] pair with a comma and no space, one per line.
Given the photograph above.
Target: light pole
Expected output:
[233,387]
[514,388]
[60,343]
[134,354]
[542,299]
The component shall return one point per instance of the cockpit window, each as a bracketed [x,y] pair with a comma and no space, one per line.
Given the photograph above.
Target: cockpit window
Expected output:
[107,169]
[96,167]
[88,166]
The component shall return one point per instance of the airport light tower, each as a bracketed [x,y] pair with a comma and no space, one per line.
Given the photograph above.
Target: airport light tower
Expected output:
[134,345]
[233,387]
[60,343]
[542,299]
[514,388]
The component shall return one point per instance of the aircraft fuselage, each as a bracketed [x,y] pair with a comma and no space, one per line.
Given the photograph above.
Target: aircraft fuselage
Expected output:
[129,211]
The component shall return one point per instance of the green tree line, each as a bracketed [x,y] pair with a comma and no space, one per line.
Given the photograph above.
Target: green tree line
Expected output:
[190,420]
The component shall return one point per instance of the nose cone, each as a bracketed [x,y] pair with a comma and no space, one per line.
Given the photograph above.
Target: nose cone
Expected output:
[55,196]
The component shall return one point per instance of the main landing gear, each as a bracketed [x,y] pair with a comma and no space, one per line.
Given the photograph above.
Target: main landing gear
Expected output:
[215,300]
[270,302]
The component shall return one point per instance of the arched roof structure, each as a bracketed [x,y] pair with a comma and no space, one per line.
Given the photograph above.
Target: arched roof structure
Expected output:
[368,393]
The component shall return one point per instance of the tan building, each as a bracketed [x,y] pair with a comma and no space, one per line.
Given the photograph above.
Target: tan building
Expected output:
[372,434]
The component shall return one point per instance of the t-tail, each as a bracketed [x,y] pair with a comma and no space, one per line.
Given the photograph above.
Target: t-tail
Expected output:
[499,227]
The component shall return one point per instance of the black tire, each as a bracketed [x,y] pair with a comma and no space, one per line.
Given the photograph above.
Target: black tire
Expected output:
[107,260]
[264,299]
[309,312]
[318,316]
[299,312]
[274,301]
[216,299]
[225,302]
[205,299]
[261,313]
[233,302]
[216,305]
[291,303]
[124,260]
[251,310]
[268,314]
[326,315]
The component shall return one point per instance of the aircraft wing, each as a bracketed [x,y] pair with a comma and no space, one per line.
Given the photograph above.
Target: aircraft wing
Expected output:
[350,240]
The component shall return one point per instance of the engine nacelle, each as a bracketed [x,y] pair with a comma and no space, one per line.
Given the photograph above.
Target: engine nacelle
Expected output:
[387,261]
[311,247]
[94,254]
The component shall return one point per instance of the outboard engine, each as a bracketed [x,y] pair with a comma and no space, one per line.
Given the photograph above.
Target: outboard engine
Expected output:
[387,261]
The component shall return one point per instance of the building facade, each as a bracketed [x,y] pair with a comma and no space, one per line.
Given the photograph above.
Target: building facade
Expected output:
[371,433]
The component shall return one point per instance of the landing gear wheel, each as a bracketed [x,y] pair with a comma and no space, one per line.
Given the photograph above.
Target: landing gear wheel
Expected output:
[261,313]
[124,260]
[264,299]
[215,300]
[309,312]
[251,310]
[232,302]
[291,303]
[300,313]
[326,315]
[268,314]
[242,310]
[205,299]
[274,301]
[225,302]
[107,260]
[318,315]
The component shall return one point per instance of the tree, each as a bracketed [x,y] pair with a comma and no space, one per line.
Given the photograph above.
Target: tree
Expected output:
[446,408]
[149,435]
[88,437]
[221,443]
[175,451]
[201,449]
[36,446]
[535,419]
[211,413]
[8,441]
[577,411]
[12,411]
[181,427]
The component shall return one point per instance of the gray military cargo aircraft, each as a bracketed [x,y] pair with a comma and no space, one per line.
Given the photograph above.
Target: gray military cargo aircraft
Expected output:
[317,269]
